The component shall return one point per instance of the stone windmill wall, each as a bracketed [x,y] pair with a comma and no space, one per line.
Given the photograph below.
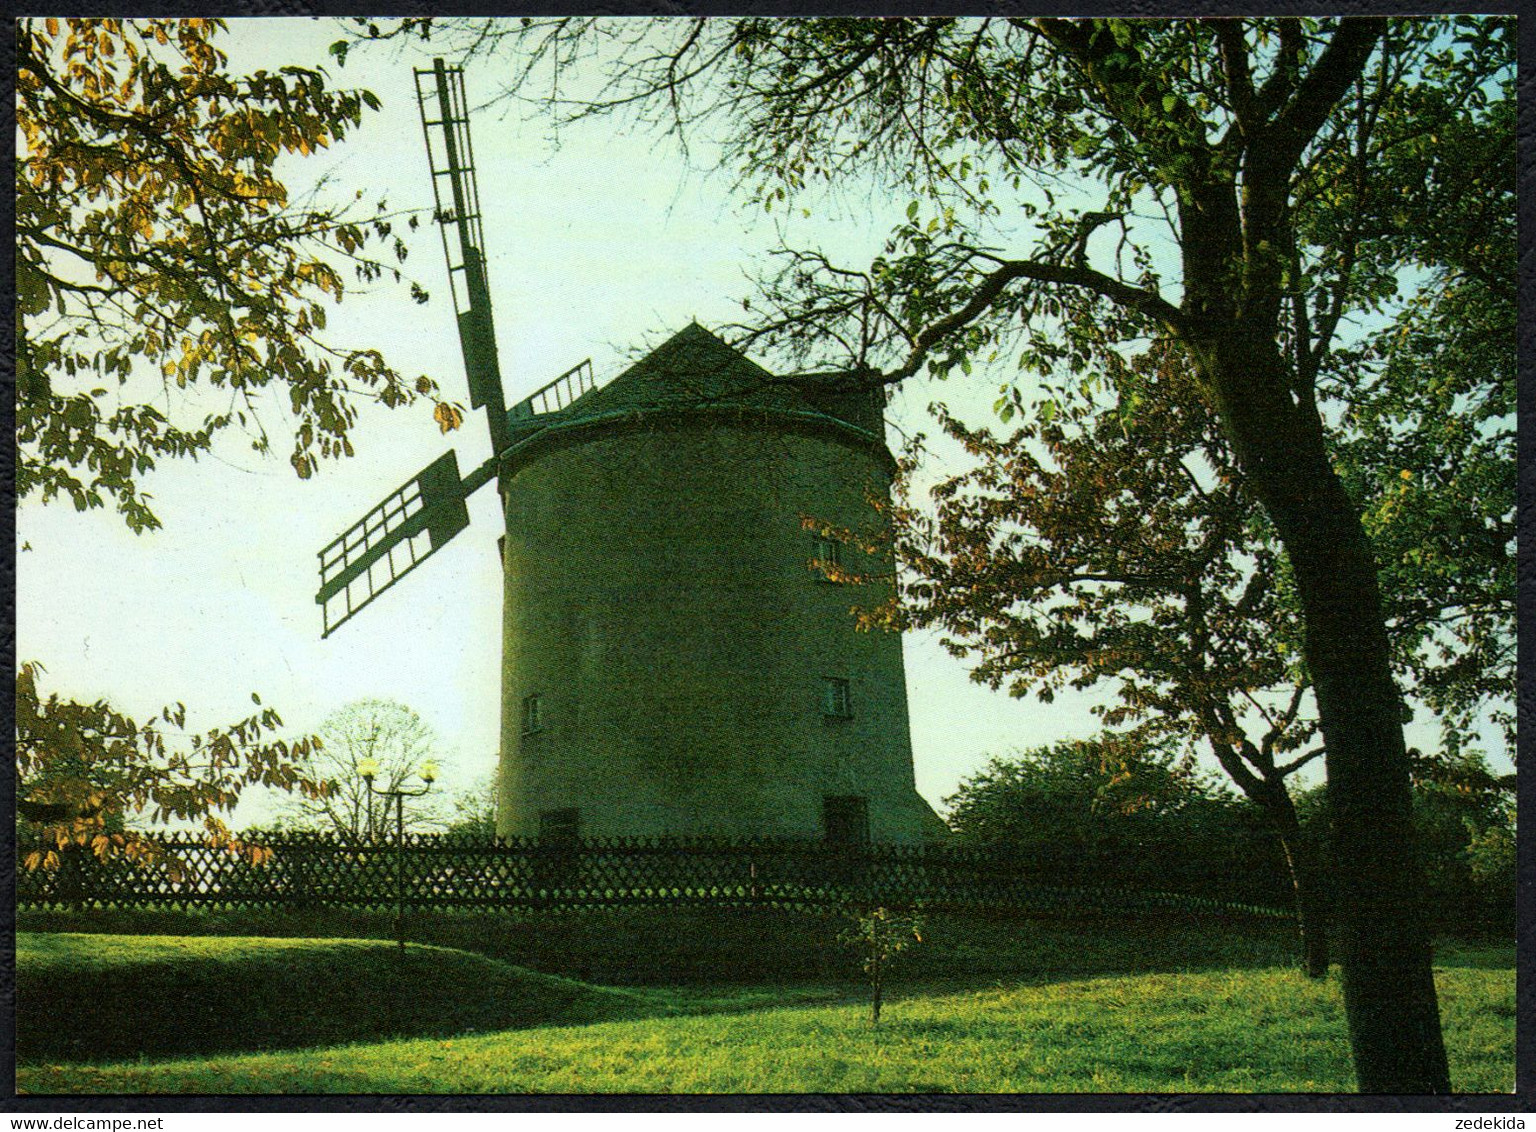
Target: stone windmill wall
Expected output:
[672,663]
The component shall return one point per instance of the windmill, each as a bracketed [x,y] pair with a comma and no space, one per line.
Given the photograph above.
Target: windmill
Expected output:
[670,665]
[415,521]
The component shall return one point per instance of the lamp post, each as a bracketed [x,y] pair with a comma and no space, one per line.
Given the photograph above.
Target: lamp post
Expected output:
[369,769]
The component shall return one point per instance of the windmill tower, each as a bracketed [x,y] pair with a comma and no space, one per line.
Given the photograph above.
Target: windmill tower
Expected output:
[678,656]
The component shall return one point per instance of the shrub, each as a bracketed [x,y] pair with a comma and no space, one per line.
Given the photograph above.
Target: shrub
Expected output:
[879,935]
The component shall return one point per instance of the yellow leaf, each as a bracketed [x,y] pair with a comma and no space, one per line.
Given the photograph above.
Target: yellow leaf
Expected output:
[447,417]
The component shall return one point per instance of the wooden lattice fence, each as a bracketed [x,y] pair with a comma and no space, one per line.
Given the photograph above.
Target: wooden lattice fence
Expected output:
[443,872]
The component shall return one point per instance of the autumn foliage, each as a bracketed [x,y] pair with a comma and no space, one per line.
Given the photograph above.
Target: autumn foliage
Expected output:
[158,253]
[84,770]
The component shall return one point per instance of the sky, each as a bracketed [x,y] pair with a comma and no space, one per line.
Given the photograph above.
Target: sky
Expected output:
[601,247]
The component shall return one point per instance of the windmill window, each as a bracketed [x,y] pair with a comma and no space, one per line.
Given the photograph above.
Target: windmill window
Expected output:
[828,555]
[836,700]
[845,819]
[561,826]
[533,714]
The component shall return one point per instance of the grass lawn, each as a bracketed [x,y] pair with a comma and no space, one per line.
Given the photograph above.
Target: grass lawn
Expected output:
[1248,1028]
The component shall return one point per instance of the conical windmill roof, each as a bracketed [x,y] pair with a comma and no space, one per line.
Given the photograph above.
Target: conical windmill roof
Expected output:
[691,368]
[695,369]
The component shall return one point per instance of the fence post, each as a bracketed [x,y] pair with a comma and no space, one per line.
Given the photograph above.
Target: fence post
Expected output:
[71,880]
[301,875]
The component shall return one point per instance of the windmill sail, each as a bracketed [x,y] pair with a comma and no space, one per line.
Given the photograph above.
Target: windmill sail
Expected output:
[440,92]
[559,393]
[420,517]
[416,521]
[394,538]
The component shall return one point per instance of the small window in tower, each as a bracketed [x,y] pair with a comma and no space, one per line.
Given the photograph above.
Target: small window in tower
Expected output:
[561,826]
[845,819]
[533,719]
[827,558]
[836,702]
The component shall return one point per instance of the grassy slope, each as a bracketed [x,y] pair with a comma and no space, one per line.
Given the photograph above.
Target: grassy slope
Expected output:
[108,997]
[1260,1029]
[748,947]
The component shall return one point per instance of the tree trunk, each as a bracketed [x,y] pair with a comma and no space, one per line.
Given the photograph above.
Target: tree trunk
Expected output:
[1389,989]
[1312,919]
[875,973]
[1385,956]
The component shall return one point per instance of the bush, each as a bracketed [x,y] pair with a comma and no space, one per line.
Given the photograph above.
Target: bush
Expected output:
[878,936]
[1464,817]
[1115,811]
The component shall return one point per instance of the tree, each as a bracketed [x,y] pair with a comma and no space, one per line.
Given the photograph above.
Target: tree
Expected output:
[879,935]
[1121,545]
[1426,441]
[158,251]
[1430,451]
[474,810]
[1426,446]
[1116,139]
[165,278]
[86,772]
[398,742]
